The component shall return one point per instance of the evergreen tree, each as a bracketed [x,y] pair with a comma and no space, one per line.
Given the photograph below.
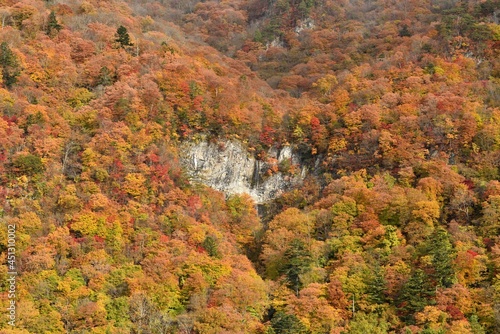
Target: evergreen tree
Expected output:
[283,323]
[53,26]
[106,77]
[415,294]
[298,260]
[440,247]
[303,9]
[210,245]
[405,31]
[258,36]
[377,286]
[10,65]
[123,37]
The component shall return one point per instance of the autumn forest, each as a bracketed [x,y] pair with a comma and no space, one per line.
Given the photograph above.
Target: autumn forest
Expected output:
[393,107]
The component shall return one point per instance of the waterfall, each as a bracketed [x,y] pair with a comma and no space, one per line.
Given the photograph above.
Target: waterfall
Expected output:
[256,176]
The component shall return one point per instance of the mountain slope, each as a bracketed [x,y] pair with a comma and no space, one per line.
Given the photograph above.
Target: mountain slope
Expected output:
[393,106]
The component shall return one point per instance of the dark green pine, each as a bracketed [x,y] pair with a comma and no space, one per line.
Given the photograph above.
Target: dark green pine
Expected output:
[377,286]
[122,37]
[440,247]
[283,323]
[53,26]
[10,65]
[298,261]
[415,294]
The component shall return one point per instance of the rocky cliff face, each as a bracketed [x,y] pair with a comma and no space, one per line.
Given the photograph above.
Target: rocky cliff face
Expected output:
[228,167]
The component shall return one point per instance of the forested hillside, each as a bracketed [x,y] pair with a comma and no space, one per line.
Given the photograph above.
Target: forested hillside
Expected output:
[393,105]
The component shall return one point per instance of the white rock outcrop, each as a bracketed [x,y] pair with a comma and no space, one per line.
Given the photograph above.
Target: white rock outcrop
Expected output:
[228,167]
[307,24]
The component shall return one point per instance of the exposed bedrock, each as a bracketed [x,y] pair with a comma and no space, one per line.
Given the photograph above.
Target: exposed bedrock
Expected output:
[228,167]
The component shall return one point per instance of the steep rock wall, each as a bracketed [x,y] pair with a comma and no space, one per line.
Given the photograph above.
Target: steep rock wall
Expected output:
[228,167]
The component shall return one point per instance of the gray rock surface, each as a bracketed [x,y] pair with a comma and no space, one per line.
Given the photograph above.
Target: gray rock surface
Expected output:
[228,167]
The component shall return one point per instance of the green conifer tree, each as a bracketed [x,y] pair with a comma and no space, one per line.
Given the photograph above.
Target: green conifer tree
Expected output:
[283,323]
[53,26]
[10,65]
[405,31]
[377,286]
[442,254]
[210,245]
[106,77]
[122,37]
[415,294]
[298,261]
